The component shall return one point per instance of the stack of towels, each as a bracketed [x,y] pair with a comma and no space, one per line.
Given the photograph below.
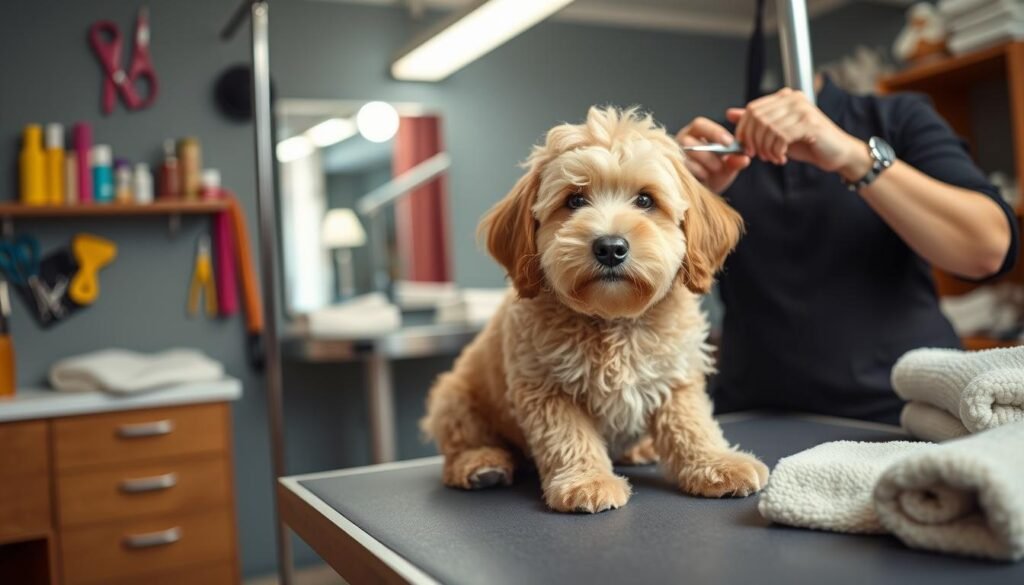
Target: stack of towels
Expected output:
[976,24]
[951,393]
[964,496]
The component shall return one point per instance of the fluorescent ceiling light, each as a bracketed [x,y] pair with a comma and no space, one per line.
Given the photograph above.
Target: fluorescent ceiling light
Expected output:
[330,132]
[294,148]
[484,27]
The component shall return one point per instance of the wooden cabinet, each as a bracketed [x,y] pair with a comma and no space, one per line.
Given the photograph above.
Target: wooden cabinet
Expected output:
[138,496]
[949,83]
[24,481]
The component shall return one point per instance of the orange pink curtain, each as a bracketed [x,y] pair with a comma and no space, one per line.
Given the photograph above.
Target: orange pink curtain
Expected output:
[421,218]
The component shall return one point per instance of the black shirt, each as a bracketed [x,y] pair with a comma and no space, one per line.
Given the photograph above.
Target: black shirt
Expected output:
[821,296]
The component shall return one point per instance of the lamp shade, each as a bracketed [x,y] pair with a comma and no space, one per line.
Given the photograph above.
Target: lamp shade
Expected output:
[341,229]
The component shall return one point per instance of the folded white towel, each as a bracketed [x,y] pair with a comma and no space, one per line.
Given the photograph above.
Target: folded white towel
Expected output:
[984,389]
[121,371]
[931,423]
[963,497]
[828,487]
[369,315]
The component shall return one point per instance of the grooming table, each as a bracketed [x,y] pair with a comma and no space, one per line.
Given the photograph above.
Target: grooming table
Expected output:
[396,523]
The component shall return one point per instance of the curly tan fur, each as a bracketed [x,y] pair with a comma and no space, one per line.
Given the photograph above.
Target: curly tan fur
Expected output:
[584,363]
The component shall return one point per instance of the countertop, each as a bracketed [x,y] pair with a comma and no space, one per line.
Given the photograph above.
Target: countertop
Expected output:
[37,403]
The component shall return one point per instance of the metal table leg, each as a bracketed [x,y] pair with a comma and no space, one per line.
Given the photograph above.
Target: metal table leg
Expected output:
[382,407]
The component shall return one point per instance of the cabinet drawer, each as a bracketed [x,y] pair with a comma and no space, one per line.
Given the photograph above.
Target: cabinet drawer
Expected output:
[222,573]
[139,435]
[143,489]
[128,551]
[24,480]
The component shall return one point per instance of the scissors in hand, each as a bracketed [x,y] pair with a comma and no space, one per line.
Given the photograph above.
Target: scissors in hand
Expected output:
[734,148]
[105,38]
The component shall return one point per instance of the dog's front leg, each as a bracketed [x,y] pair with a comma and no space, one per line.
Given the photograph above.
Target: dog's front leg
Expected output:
[570,454]
[694,451]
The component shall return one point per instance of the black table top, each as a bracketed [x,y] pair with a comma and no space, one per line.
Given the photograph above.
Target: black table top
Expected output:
[661,536]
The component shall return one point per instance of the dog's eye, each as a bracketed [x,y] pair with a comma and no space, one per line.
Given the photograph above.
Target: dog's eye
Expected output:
[575,201]
[644,201]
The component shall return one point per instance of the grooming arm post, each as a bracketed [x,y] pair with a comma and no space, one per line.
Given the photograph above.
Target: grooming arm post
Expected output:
[267,224]
[795,38]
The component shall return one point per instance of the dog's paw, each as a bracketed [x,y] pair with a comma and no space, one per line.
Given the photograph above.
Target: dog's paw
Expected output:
[728,474]
[642,453]
[587,493]
[479,468]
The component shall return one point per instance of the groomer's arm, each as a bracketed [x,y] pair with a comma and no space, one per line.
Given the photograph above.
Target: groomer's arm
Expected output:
[959,230]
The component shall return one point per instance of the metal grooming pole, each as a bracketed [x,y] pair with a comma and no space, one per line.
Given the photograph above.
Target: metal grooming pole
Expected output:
[795,38]
[797,66]
[266,204]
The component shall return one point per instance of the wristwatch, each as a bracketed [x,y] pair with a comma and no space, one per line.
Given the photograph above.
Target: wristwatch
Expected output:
[882,157]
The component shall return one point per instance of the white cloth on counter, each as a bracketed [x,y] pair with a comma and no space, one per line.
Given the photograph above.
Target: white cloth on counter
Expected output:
[413,295]
[931,423]
[962,497]
[121,371]
[369,315]
[828,487]
[984,389]
[472,306]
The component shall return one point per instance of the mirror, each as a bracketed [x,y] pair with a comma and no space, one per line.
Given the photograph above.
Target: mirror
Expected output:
[350,224]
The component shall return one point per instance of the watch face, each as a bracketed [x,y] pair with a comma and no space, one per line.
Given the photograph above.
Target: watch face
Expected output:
[881,151]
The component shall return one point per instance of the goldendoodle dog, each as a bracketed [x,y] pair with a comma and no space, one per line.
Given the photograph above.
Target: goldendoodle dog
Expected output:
[600,354]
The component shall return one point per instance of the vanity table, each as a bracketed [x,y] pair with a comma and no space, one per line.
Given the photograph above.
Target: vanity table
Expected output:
[377,354]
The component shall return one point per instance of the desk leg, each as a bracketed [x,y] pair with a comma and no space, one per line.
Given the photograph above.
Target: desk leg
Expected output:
[382,407]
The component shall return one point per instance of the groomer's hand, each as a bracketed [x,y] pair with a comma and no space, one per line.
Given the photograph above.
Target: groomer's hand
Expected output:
[784,126]
[717,172]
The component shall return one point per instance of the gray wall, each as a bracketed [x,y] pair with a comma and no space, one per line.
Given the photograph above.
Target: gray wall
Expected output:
[493,111]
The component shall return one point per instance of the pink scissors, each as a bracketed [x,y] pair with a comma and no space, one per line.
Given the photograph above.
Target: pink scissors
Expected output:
[106,41]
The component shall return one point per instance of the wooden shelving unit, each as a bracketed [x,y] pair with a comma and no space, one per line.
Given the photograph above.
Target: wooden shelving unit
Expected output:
[948,82]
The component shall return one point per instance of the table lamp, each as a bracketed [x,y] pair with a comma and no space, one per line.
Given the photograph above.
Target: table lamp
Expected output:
[341,231]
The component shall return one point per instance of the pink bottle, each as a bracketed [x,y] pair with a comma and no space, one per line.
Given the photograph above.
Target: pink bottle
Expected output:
[82,137]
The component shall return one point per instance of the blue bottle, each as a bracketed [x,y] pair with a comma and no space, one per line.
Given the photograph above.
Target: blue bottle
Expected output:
[102,160]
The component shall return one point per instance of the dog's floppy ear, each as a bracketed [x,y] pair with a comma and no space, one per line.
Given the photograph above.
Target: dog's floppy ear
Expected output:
[509,230]
[712,229]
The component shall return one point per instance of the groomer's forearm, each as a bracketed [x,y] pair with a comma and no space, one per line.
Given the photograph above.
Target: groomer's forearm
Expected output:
[957,230]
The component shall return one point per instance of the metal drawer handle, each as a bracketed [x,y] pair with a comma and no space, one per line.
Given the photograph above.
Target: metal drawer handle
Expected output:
[151,539]
[146,429]
[149,484]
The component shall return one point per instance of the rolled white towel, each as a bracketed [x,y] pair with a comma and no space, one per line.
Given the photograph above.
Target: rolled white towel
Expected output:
[121,371]
[828,487]
[931,423]
[963,497]
[984,389]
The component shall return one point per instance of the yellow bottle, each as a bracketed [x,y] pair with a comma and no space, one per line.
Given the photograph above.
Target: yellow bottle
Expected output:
[55,164]
[30,167]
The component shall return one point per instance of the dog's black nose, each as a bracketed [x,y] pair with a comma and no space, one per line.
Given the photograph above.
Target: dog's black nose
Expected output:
[611,250]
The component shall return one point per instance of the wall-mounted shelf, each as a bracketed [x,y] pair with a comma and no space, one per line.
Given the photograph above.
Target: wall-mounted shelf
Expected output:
[171,209]
[17,210]
[954,71]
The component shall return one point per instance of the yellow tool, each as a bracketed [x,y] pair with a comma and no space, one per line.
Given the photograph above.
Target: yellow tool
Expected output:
[202,280]
[92,253]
